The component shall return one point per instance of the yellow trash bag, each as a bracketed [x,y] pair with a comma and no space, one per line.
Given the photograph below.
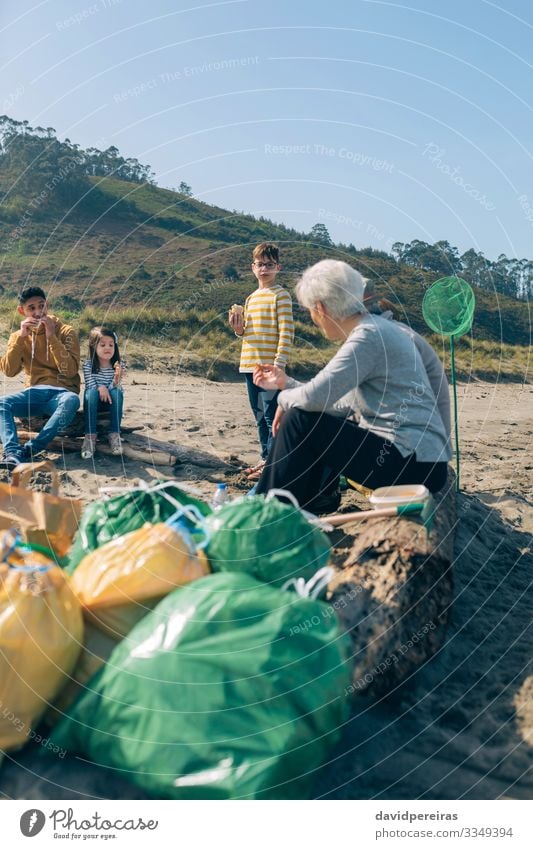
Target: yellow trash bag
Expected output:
[96,650]
[118,583]
[41,633]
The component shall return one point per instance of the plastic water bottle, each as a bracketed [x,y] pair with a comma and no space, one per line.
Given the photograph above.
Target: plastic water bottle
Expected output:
[220,497]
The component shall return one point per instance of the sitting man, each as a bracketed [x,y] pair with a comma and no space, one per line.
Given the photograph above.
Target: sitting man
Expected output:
[49,353]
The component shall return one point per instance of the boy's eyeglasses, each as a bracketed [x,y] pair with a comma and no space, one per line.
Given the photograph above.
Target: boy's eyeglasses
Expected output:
[268,265]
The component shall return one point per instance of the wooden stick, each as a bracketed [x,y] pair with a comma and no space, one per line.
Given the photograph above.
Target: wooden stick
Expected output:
[362,515]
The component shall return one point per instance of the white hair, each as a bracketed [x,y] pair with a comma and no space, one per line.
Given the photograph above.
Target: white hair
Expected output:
[336,285]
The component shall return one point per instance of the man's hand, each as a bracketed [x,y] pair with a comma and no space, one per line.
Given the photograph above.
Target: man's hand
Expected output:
[49,326]
[103,392]
[270,377]
[277,422]
[28,325]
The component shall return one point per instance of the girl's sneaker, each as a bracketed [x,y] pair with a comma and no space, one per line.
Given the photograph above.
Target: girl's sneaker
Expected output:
[88,447]
[115,443]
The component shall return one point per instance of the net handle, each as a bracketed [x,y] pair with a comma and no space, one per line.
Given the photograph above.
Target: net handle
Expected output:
[455,416]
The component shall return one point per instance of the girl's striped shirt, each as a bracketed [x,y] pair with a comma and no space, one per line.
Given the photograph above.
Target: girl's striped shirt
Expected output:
[268,328]
[95,379]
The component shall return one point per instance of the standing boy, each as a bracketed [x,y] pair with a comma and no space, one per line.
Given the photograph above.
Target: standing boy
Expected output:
[267,329]
[49,353]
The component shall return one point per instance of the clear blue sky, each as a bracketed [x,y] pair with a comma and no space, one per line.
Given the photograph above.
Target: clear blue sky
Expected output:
[387,121]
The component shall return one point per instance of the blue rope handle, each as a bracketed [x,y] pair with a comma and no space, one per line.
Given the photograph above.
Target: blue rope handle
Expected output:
[14,544]
[191,512]
[15,567]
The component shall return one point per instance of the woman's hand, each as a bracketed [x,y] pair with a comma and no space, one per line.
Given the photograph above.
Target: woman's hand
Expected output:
[277,421]
[103,392]
[269,377]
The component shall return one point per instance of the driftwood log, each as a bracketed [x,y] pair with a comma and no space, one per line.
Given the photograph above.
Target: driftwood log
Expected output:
[67,443]
[393,592]
[137,446]
[181,454]
[75,428]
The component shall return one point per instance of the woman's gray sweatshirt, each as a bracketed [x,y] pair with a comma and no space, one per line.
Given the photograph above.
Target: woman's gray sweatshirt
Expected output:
[378,376]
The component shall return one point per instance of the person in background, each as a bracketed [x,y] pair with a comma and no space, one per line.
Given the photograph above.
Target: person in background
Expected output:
[103,373]
[376,304]
[266,326]
[48,351]
[369,414]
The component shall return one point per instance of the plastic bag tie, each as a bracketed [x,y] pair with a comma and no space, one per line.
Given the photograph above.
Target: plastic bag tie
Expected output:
[191,512]
[314,586]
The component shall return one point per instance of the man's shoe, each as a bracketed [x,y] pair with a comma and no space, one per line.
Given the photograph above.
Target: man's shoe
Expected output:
[11,461]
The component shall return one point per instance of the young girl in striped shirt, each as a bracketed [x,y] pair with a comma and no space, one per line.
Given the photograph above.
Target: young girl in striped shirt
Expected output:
[103,373]
[267,329]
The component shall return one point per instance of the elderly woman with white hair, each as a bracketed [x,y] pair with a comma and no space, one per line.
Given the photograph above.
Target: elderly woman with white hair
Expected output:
[370,413]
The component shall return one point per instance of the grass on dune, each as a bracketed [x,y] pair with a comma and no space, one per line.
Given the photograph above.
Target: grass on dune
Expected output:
[201,342]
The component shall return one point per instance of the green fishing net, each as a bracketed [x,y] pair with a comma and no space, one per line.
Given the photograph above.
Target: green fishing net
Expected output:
[448,309]
[448,306]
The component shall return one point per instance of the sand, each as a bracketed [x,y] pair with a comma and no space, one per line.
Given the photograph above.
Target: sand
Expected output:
[462,726]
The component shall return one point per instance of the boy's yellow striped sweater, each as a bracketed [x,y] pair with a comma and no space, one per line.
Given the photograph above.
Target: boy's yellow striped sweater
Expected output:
[268,328]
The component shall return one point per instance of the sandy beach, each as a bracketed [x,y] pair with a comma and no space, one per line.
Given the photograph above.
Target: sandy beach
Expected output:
[462,726]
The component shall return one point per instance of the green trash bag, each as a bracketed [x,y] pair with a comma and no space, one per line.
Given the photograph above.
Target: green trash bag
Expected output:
[266,538]
[105,520]
[229,689]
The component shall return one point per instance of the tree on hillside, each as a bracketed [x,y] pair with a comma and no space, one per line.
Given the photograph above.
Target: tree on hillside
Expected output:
[230,272]
[441,257]
[475,268]
[185,189]
[449,261]
[525,290]
[35,162]
[319,233]
[512,277]
[109,163]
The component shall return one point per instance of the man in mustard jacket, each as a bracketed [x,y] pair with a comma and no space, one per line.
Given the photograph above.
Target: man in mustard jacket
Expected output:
[49,353]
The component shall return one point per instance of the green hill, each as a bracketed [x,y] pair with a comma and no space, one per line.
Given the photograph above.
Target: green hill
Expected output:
[155,247]
[147,258]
